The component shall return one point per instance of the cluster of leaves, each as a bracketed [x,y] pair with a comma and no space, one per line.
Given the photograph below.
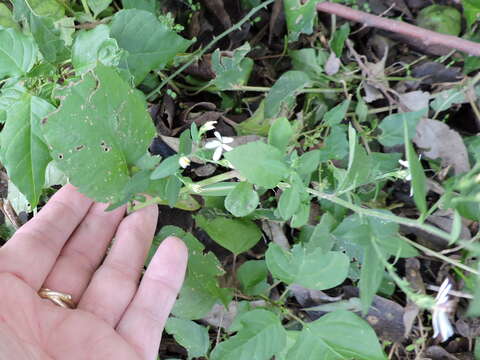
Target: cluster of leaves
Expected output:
[70,105]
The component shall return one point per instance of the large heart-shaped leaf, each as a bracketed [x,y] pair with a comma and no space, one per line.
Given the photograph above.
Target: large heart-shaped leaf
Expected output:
[24,153]
[99,131]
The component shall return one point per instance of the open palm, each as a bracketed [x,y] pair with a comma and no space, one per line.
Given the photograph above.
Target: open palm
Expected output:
[63,248]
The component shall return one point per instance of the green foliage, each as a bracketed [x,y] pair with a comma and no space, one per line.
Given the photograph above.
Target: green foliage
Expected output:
[92,46]
[101,129]
[253,275]
[145,56]
[282,95]
[261,164]
[392,127]
[200,290]
[338,335]
[18,53]
[299,17]
[338,39]
[260,335]
[98,6]
[442,19]
[148,5]
[190,335]
[317,270]
[236,235]
[23,151]
[6,17]
[233,71]
[242,200]
[471,11]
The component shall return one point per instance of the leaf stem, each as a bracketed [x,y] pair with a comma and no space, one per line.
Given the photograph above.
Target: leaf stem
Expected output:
[86,8]
[382,215]
[200,53]
[433,253]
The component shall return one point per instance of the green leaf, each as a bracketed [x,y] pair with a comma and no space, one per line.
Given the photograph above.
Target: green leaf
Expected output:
[312,269]
[100,130]
[337,114]
[143,56]
[289,202]
[242,200]
[308,162]
[260,337]
[172,190]
[167,167]
[310,61]
[261,164]
[201,289]
[24,153]
[445,99]
[282,94]
[18,53]
[190,335]
[392,127]
[98,6]
[232,71]
[371,276]
[252,275]
[338,39]
[359,165]
[280,134]
[94,45]
[148,5]
[6,17]
[299,17]
[419,180]
[337,335]
[9,95]
[335,145]
[471,10]
[255,124]
[48,38]
[440,18]
[235,235]
[49,8]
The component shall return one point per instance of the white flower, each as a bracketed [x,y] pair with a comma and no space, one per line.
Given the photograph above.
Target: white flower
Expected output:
[219,145]
[440,321]
[184,161]
[405,164]
[209,125]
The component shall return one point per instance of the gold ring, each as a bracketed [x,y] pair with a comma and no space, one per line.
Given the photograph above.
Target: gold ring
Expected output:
[58,298]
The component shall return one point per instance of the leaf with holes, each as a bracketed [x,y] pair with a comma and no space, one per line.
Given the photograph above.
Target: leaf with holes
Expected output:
[99,132]
[24,153]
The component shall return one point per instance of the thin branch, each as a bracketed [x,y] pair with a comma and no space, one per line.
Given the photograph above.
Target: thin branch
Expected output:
[428,37]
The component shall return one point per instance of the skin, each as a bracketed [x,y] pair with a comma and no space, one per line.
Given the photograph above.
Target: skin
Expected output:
[63,248]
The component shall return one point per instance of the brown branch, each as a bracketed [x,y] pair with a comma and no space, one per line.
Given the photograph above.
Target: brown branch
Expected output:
[428,37]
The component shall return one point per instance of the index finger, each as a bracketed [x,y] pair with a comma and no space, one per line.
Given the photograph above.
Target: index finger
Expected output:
[31,253]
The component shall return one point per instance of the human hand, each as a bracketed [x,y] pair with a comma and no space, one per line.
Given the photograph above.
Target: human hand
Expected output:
[62,249]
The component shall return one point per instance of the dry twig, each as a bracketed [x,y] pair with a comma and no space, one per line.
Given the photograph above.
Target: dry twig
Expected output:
[428,37]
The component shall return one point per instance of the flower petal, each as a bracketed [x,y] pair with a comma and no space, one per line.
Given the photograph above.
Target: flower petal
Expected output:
[227,147]
[227,140]
[213,144]
[218,136]
[217,154]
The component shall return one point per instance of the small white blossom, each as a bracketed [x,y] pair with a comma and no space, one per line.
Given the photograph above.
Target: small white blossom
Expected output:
[184,161]
[209,125]
[219,145]
[440,321]
[405,164]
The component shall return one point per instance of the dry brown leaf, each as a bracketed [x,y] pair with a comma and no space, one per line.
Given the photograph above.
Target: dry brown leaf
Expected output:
[437,140]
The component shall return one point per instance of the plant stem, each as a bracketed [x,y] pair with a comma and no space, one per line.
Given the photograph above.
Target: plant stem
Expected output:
[433,253]
[200,53]
[86,8]
[382,215]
